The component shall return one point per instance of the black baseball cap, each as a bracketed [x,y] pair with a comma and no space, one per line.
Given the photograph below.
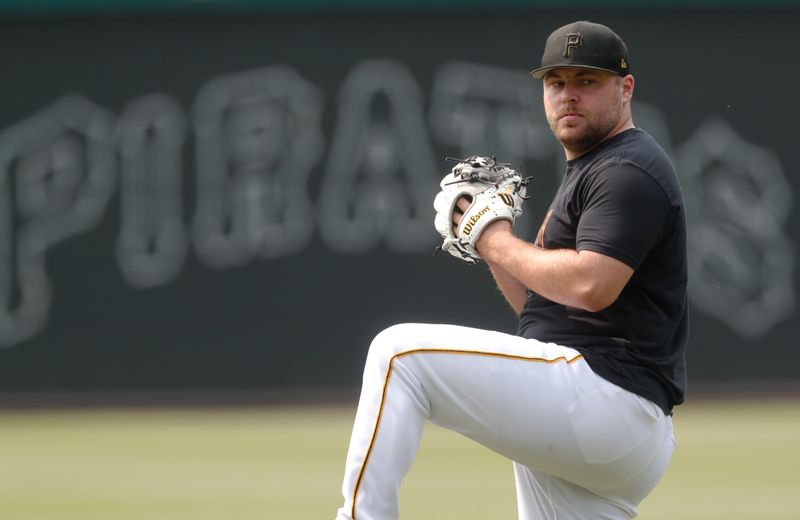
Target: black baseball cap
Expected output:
[584,44]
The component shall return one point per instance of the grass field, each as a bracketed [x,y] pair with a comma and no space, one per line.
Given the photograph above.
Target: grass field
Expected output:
[736,460]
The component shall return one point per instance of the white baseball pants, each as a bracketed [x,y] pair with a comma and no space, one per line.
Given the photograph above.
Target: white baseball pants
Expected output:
[583,448]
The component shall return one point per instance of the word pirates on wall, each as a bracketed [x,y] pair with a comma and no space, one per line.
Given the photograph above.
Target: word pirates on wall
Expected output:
[258,138]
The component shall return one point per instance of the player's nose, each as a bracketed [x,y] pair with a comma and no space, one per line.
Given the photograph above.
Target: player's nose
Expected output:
[569,94]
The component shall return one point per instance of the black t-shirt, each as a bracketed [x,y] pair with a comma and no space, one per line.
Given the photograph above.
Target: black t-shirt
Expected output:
[623,200]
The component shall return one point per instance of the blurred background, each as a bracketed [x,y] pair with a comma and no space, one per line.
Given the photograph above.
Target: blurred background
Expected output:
[222,202]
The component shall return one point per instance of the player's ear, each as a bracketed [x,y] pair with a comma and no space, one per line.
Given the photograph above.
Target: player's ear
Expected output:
[627,88]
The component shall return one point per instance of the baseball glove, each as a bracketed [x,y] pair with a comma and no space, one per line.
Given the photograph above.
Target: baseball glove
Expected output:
[495,191]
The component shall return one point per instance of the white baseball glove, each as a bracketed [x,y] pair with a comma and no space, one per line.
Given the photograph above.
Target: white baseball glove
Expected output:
[494,190]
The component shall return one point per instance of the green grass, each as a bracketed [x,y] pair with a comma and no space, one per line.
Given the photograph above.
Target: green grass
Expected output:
[737,460]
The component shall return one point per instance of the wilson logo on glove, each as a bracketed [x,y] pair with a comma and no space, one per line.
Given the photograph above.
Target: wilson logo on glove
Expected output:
[474,220]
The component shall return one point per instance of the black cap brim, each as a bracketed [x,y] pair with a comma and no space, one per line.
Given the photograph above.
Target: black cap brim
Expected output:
[541,71]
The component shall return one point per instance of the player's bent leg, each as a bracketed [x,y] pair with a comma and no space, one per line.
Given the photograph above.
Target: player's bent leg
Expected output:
[516,396]
[394,402]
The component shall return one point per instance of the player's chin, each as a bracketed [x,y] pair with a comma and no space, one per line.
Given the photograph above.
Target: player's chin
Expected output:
[578,142]
[572,137]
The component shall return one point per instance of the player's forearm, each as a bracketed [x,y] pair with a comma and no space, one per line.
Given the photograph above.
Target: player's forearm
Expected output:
[513,291]
[559,275]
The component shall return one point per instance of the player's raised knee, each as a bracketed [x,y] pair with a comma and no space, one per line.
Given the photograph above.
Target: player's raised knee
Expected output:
[391,341]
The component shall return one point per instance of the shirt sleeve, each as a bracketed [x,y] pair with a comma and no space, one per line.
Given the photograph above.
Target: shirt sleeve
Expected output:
[625,213]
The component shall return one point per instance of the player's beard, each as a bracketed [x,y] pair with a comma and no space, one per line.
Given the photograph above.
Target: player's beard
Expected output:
[591,129]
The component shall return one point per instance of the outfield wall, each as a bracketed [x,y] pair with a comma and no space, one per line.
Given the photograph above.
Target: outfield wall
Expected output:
[242,200]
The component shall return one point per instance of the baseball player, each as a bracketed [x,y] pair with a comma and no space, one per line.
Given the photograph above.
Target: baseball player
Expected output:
[581,398]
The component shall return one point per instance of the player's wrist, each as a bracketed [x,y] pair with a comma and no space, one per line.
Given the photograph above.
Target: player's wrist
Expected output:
[495,240]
